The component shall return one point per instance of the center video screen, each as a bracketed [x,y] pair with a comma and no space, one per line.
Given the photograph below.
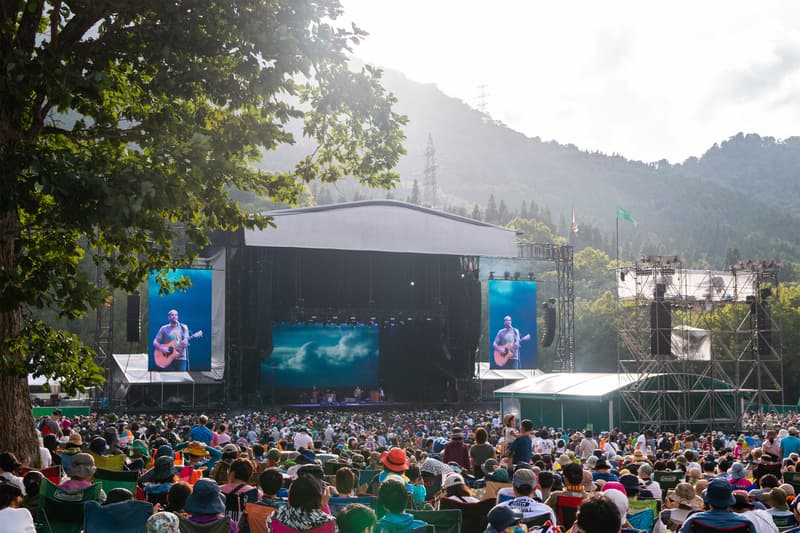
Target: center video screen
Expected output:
[307,355]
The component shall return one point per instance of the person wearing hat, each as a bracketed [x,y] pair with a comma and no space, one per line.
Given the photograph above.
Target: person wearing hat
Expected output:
[778,507]
[523,484]
[81,474]
[206,504]
[395,461]
[738,477]
[139,455]
[761,518]
[602,471]
[455,450]
[163,522]
[199,454]
[718,497]
[679,503]
[159,480]
[503,518]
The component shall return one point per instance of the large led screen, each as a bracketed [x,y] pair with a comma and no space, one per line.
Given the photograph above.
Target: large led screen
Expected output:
[307,355]
[179,324]
[512,324]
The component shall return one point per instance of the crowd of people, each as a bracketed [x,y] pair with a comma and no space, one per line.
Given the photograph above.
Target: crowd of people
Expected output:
[305,470]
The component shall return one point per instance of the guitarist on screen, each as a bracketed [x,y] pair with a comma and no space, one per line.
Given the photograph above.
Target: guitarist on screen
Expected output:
[506,345]
[171,342]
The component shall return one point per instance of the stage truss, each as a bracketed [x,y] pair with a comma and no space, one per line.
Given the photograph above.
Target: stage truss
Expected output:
[562,257]
[742,371]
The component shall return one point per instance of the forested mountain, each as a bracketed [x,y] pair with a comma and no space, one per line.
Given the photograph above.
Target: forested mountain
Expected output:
[742,193]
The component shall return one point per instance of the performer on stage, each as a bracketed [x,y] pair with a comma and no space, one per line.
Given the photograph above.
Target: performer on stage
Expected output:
[357,393]
[171,344]
[506,345]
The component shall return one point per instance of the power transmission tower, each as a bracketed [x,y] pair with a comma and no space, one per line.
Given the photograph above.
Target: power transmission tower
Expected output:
[431,194]
[482,98]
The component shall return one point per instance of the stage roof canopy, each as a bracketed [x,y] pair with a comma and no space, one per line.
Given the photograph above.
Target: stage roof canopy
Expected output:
[133,366]
[384,226]
[561,386]
[485,372]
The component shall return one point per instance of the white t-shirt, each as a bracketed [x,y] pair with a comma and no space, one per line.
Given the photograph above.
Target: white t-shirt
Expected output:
[16,521]
[531,507]
[303,440]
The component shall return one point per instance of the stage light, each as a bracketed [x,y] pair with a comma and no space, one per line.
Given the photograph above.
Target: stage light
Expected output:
[461,275]
[411,283]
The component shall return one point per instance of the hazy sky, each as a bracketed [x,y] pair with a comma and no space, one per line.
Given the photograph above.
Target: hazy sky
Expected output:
[649,80]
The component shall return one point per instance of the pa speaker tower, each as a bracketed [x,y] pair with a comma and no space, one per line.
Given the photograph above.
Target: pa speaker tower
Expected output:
[133,322]
[549,330]
[660,323]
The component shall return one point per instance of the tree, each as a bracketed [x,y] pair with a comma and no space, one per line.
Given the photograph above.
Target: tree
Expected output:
[415,196]
[125,125]
[476,212]
[492,215]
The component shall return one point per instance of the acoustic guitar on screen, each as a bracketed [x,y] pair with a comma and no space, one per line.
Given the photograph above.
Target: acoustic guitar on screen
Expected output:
[505,352]
[172,350]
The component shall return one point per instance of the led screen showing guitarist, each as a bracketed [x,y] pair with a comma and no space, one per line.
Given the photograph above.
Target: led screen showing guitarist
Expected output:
[172,344]
[506,345]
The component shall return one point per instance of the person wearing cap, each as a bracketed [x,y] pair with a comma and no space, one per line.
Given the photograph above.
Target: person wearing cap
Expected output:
[456,489]
[718,497]
[644,472]
[523,483]
[503,518]
[14,518]
[51,425]
[759,517]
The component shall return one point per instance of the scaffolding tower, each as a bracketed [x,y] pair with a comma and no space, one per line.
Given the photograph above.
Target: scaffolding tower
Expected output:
[705,343]
[562,257]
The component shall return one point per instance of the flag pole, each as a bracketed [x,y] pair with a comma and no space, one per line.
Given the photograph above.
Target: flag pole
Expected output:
[617,242]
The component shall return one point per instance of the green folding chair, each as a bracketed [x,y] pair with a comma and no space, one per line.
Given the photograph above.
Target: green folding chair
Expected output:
[446,521]
[61,511]
[114,479]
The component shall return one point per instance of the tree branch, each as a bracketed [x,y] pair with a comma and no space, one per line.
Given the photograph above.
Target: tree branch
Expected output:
[29,25]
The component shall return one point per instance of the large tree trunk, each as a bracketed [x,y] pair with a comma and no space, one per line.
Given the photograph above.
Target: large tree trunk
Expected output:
[16,419]
[17,434]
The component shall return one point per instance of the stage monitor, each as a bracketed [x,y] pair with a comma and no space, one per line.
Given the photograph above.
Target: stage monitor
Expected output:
[322,355]
[180,323]
[512,324]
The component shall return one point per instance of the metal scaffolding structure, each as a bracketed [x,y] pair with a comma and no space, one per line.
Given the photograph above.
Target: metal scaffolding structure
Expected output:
[706,340]
[562,256]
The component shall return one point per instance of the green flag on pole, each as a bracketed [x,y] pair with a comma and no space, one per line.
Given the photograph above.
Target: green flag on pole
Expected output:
[624,214]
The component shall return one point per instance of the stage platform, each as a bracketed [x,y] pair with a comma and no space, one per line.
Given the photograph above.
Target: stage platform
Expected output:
[347,405]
